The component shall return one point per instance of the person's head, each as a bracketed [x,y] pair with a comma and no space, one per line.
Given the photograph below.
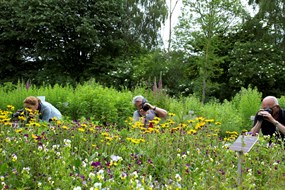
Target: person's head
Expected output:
[271,102]
[138,101]
[32,103]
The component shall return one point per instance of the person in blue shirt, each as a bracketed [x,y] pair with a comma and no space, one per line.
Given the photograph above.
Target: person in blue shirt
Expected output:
[46,110]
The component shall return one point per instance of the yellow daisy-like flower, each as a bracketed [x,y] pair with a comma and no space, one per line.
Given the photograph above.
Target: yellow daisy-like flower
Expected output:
[191,132]
[10,107]
[34,136]
[64,127]
[191,121]
[81,129]
[105,134]
[209,120]
[109,138]
[171,114]
[19,130]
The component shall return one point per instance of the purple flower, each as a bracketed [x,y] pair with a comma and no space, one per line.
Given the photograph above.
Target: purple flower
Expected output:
[96,164]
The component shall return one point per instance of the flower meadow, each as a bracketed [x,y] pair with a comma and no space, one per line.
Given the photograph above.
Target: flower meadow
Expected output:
[84,154]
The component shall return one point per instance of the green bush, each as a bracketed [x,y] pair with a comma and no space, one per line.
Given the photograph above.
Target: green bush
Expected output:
[247,102]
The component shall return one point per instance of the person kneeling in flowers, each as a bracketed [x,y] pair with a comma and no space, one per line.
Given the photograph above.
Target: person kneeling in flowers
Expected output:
[46,110]
[146,111]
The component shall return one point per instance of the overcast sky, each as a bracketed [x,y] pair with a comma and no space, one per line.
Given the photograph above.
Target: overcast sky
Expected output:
[176,13]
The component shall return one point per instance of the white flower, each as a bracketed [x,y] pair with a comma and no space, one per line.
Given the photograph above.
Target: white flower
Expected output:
[98,185]
[77,188]
[135,174]
[91,175]
[116,158]
[178,177]
[84,164]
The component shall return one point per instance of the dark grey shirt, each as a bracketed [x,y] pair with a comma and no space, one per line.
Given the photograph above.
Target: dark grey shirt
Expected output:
[149,116]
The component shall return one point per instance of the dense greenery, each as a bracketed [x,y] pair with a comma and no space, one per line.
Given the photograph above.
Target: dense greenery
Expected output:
[217,45]
[111,107]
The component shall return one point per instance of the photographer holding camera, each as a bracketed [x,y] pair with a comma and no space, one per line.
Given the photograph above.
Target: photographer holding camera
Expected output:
[270,118]
[46,110]
[146,111]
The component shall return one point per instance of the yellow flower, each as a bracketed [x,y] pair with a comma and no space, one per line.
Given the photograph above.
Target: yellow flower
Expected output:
[19,130]
[191,131]
[105,134]
[64,127]
[34,136]
[54,119]
[81,129]
[209,120]
[109,138]
[10,107]
[14,157]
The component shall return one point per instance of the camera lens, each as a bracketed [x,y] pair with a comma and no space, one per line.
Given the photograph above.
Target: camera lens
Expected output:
[145,107]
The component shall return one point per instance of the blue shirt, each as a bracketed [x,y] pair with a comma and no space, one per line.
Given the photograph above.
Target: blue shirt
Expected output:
[48,111]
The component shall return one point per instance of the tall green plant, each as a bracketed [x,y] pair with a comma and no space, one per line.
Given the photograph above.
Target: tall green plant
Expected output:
[247,102]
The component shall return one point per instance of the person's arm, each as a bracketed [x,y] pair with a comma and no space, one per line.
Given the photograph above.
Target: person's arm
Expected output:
[256,128]
[162,113]
[136,116]
[267,116]
[46,113]
[279,126]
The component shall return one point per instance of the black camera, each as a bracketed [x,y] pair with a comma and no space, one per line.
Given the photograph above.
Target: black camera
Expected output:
[260,117]
[145,107]
[20,112]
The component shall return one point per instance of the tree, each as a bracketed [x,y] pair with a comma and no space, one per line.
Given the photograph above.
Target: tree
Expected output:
[74,40]
[271,14]
[198,33]
[257,56]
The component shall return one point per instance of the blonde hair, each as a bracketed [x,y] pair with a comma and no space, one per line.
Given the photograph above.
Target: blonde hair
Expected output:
[32,100]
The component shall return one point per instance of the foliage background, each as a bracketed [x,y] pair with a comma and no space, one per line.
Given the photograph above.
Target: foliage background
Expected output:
[118,44]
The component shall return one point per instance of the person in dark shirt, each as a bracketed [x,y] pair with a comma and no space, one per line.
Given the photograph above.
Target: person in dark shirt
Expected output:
[270,119]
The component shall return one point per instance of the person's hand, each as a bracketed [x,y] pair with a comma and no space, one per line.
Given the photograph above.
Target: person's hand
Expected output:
[266,115]
[149,105]
[142,112]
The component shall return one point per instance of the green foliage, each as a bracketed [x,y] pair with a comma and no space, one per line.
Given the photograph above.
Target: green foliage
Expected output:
[98,103]
[247,102]
[209,18]
[186,108]
[224,113]
[71,41]
[257,64]
[92,101]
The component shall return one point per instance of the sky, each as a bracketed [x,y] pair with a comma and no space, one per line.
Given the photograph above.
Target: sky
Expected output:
[176,13]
